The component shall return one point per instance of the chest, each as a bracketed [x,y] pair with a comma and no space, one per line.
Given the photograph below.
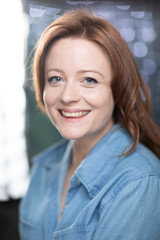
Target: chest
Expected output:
[65,189]
[78,215]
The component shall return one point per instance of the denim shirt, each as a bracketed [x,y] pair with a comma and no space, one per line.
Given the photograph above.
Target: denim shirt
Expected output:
[110,197]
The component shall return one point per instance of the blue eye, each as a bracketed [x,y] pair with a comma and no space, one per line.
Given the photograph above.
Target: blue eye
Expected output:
[90,81]
[55,79]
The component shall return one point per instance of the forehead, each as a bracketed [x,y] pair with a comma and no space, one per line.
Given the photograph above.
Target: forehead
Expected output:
[77,51]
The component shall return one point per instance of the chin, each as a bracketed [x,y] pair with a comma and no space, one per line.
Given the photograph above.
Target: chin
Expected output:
[71,136]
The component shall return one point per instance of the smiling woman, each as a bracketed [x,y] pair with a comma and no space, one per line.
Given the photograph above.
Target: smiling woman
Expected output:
[103,181]
[73,94]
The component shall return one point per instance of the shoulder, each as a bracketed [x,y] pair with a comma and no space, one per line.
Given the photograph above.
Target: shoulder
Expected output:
[141,164]
[143,161]
[134,180]
[138,170]
[51,154]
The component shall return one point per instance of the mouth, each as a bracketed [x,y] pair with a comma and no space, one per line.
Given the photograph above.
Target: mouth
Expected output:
[76,114]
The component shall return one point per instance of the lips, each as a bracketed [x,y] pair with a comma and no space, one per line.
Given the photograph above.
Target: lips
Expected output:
[76,114]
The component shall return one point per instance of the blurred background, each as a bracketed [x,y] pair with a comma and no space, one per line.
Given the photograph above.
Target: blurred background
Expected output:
[139,24]
[24,129]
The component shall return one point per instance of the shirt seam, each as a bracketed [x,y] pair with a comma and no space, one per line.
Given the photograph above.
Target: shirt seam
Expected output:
[93,188]
[79,228]
[119,188]
[122,186]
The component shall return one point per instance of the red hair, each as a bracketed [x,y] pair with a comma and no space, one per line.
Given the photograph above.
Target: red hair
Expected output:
[128,88]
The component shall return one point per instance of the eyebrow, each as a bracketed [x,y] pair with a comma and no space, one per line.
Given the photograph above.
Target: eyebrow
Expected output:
[81,71]
[91,70]
[55,69]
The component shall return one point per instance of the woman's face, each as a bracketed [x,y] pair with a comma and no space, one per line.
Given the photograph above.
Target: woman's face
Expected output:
[77,92]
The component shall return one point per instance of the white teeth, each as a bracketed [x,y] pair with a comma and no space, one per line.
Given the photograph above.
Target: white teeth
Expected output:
[74,114]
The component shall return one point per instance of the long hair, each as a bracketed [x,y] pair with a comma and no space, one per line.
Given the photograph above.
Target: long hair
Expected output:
[131,96]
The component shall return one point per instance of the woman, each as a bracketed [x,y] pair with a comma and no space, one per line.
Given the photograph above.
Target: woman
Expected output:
[103,181]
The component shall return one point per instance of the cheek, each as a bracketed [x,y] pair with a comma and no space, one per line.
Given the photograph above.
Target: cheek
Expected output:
[48,97]
[101,99]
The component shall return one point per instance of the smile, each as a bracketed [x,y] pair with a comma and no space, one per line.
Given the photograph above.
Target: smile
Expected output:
[74,114]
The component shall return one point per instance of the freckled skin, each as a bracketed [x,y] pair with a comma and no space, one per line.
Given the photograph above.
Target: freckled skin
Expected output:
[74,60]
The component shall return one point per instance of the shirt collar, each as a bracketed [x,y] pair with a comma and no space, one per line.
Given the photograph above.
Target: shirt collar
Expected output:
[96,168]
[59,151]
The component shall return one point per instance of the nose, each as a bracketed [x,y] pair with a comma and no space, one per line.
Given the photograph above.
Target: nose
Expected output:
[70,93]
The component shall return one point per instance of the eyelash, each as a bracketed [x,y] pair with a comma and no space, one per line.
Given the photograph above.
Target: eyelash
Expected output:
[54,79]
[86,82]
[90,81]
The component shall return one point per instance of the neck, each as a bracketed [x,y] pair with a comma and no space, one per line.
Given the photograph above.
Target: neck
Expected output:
[82,146]
[81,149]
